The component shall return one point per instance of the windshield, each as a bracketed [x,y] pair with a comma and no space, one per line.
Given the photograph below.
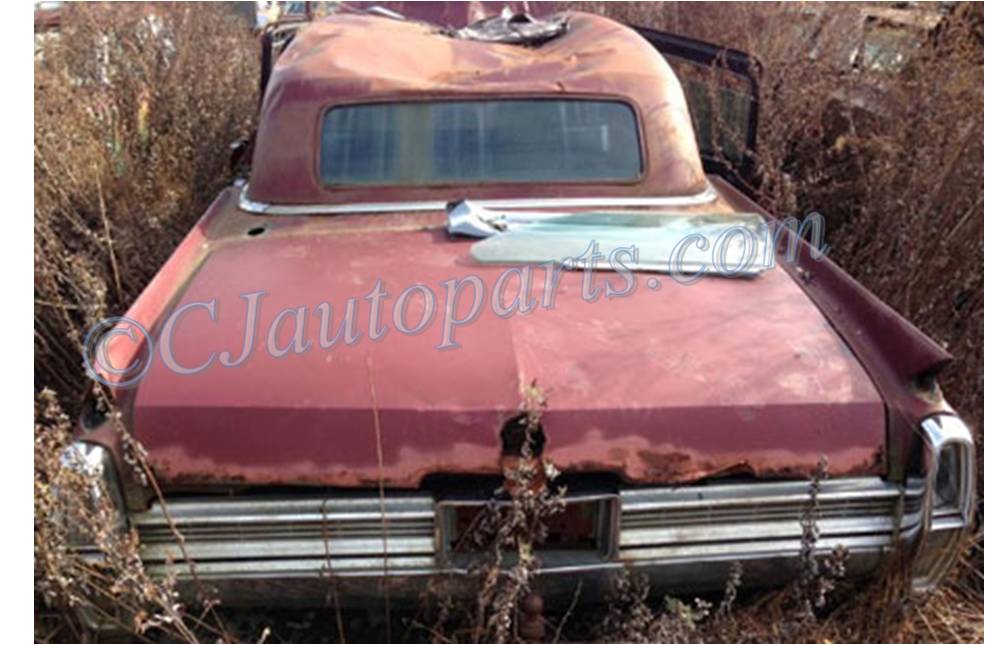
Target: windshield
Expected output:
[487,141]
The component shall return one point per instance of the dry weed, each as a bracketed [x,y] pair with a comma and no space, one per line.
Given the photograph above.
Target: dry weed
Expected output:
[135,107]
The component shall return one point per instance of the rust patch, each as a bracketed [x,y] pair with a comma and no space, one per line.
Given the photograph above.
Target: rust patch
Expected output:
[667,466]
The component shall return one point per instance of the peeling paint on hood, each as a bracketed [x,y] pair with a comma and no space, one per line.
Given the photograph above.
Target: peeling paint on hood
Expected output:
[661,386]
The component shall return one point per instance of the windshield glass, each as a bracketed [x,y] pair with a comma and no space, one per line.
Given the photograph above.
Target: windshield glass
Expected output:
[469,142]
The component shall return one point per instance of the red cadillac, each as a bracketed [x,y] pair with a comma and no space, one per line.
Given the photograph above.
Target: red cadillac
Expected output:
[329,374]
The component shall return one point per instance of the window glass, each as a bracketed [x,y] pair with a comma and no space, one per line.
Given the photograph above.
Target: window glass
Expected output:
[467,142]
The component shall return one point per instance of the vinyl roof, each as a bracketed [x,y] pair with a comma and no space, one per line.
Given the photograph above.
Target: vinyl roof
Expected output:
[353,58]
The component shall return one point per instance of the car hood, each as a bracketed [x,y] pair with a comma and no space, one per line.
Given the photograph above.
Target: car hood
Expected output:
[672,383]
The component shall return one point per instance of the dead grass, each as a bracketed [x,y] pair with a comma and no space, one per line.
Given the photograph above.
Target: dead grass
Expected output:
[104,585]
[135,108]
[131,138]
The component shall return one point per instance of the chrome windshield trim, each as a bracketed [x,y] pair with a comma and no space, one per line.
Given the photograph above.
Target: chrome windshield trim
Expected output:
[706,196]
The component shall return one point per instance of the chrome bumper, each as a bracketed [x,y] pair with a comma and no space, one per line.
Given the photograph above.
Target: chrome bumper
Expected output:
[285,549]
[685,537]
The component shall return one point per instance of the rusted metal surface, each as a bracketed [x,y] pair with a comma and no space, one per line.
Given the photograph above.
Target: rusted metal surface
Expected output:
[720,377]
[330,64]
[901,360]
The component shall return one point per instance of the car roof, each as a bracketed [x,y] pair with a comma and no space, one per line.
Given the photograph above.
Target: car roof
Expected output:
[359,58]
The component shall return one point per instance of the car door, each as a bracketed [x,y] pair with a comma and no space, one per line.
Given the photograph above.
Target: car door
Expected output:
[722,92]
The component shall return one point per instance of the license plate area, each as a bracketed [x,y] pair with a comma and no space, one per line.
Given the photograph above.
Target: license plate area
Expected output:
[584,531]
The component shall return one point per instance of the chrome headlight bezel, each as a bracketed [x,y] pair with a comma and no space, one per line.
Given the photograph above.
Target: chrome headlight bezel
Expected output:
[949,459]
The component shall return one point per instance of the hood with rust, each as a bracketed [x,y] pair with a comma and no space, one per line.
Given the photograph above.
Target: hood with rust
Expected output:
[726,376]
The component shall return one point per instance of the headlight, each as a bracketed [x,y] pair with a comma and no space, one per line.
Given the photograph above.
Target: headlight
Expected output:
[96,464]
[949,468]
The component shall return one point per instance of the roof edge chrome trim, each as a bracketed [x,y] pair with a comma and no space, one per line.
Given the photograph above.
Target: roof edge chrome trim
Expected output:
[706,196]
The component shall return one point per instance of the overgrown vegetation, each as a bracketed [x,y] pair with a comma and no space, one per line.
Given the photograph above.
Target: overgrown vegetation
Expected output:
[135,109]
[72,504]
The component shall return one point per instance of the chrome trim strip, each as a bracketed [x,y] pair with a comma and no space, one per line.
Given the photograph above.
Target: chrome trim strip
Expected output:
[373,568]
[288,548]
[706,196]
[762,519]
[342,532]
[750,531]
[297,567]
[305,536]
[765,550]
[796,493]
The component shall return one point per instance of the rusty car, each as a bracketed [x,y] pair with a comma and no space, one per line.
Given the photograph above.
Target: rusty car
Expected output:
[398,169]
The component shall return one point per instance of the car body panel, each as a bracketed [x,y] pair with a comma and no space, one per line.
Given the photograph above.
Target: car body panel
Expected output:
[721,395]
[901,360]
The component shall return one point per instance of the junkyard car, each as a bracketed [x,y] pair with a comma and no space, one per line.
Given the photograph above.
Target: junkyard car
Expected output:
[320,397]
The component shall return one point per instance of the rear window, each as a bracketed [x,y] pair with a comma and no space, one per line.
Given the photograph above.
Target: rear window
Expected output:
[463,142]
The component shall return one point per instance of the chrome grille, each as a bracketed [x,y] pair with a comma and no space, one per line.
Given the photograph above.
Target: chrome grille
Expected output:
[341,534]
